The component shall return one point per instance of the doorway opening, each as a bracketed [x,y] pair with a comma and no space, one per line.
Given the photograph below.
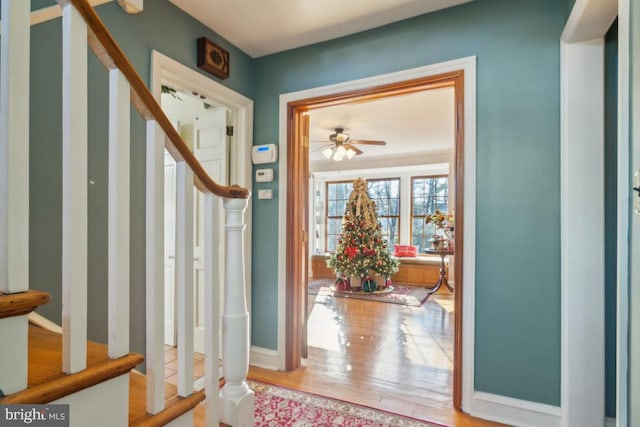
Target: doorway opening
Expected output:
[228,163]
[202,124]
[297,253]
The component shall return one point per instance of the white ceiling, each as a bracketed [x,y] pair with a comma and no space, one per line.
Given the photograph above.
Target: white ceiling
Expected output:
[262,27]
[418,128]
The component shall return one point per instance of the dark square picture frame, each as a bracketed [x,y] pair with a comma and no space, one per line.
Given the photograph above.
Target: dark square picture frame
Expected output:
[213,58]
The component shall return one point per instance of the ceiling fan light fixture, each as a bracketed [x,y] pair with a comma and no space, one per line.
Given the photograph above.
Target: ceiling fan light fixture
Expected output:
[350,153]
[327,152]
[340,151]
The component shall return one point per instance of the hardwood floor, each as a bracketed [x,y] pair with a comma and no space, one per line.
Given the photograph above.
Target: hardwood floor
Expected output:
[388,356]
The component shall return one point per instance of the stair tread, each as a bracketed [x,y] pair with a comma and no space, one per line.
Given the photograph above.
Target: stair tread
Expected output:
[47,382]
[21,303]
[174,405]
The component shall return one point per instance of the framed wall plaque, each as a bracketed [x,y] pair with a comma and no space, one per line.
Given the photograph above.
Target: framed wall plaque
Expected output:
[212,58]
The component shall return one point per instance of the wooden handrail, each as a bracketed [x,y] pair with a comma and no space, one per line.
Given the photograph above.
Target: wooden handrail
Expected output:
[111,56]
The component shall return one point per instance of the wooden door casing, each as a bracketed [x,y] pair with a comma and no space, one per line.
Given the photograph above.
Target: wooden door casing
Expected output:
[297,198]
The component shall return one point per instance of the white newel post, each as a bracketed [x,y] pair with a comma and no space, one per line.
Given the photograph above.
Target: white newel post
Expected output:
[236,398]
[14,186]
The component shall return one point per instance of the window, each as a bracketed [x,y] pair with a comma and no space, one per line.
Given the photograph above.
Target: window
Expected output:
[427,194]
[384,192]
[337,197]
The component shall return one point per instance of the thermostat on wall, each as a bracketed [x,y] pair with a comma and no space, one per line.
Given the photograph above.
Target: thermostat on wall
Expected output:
[264,175]
[267,153]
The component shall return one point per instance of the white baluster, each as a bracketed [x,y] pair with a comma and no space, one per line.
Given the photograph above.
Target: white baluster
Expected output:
[14,185]
[74,190]
[14,147]
[184,276]
[237,399]
[155,268]
[119,184]
[211,311]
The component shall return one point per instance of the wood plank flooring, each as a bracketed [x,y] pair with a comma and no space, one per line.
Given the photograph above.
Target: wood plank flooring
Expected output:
[388,356]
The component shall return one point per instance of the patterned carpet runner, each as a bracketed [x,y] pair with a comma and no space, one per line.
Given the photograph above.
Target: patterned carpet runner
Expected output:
[278,406]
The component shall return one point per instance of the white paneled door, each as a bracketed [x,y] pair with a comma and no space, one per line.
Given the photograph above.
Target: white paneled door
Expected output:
[211,148]
[207,135]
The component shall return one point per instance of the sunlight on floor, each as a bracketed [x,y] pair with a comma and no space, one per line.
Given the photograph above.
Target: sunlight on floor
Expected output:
[445,302]
[324,329]
[407,336]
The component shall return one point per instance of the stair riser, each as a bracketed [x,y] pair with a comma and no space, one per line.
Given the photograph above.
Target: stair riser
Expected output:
[184,420]
[102,405]
[13,353]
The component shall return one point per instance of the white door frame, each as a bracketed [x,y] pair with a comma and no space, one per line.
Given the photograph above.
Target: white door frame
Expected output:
[582,219]
[165,70]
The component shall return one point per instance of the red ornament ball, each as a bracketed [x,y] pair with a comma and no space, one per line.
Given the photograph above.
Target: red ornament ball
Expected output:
[341,284]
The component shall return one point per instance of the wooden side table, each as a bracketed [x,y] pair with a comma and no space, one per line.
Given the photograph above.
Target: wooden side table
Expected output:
[442,280]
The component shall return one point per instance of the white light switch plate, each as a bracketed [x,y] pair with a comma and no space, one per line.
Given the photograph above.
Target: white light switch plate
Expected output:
[265,194]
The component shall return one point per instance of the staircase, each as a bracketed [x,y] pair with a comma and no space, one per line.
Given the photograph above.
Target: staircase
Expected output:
[98,380]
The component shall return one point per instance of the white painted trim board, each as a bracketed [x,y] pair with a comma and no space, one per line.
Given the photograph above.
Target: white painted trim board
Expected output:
[512,411]
[624,172]
[591,19]
[582,232]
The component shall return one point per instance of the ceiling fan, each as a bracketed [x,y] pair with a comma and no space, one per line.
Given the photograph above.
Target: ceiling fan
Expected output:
[342,146]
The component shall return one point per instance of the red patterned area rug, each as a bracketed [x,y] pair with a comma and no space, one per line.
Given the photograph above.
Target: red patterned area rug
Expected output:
[413,296]
[278,406]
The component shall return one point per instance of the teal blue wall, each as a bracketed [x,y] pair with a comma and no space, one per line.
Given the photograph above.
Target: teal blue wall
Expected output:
[517,264]
[162,27]
[517,343]
[610,215]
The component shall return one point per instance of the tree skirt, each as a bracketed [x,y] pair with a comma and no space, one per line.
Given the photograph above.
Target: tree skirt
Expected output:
[277,406]
[413,296]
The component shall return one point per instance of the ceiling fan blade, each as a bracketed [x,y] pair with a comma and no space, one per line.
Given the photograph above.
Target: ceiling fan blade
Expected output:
[322,148]
[354,148]
[367,142]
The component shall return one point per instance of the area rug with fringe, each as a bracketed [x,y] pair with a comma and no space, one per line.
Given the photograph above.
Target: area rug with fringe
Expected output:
[278,406]
[410,295]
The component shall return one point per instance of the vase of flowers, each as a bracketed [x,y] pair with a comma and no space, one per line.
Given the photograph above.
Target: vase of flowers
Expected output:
[443,222]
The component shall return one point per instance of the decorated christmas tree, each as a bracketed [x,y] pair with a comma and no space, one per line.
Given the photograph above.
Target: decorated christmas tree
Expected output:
[361,251]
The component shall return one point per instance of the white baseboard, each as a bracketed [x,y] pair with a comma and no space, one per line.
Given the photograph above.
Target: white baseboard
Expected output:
[512,411]
[263,358]
[609,422]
